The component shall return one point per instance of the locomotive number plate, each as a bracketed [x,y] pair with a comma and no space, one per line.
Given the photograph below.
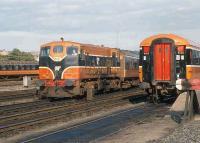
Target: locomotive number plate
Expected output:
[57,68]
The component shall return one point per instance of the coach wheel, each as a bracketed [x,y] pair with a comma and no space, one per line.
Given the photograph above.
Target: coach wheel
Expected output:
[155,97]
[148,91]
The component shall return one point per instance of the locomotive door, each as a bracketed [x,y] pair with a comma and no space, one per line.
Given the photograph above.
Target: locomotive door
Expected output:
[162,62]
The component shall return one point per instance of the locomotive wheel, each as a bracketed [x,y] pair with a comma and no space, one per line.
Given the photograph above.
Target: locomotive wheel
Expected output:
[41,96]
[37,94]
[51,99]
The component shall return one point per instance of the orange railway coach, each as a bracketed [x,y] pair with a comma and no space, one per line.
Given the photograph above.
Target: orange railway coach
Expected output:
[166,61]
[18,69]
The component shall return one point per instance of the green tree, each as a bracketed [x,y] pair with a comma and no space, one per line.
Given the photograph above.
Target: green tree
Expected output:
[17,55]
[27,56]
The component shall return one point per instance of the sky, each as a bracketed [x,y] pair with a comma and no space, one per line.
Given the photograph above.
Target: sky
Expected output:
[26,24]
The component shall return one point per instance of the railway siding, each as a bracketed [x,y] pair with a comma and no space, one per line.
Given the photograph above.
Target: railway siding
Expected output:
[13,97]
[30,120]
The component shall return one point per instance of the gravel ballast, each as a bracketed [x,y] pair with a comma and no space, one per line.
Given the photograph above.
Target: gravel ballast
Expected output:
[187,133]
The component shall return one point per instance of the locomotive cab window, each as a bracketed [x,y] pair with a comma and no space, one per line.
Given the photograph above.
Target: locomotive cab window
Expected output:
[45,51]
[58,49]
[72,51]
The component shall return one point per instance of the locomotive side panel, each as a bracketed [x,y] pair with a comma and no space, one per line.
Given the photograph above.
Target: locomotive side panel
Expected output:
[87,72]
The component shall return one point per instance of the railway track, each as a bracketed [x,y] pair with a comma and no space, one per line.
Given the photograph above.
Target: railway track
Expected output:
[14,83]
[20,107]
[42,104]
[147,114]
[23,121]
[11,83]
[17,95]
[31,106]
[105,126]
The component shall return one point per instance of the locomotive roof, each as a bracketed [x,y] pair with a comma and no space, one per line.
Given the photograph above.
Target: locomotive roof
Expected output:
[98,50]
[59,42]
[177,39]
[77,43]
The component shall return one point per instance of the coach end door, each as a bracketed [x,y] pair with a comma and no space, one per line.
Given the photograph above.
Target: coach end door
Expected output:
[162,61]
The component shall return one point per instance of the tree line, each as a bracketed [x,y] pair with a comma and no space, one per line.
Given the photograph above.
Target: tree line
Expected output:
[17,55]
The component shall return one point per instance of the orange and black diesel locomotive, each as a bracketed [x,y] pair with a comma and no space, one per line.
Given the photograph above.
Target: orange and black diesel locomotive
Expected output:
[68,69]
[166,60]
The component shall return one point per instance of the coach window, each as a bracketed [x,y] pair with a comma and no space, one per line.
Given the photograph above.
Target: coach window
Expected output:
[45,51]
[58,49]
[73,51]
[188,56]
[195,57]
